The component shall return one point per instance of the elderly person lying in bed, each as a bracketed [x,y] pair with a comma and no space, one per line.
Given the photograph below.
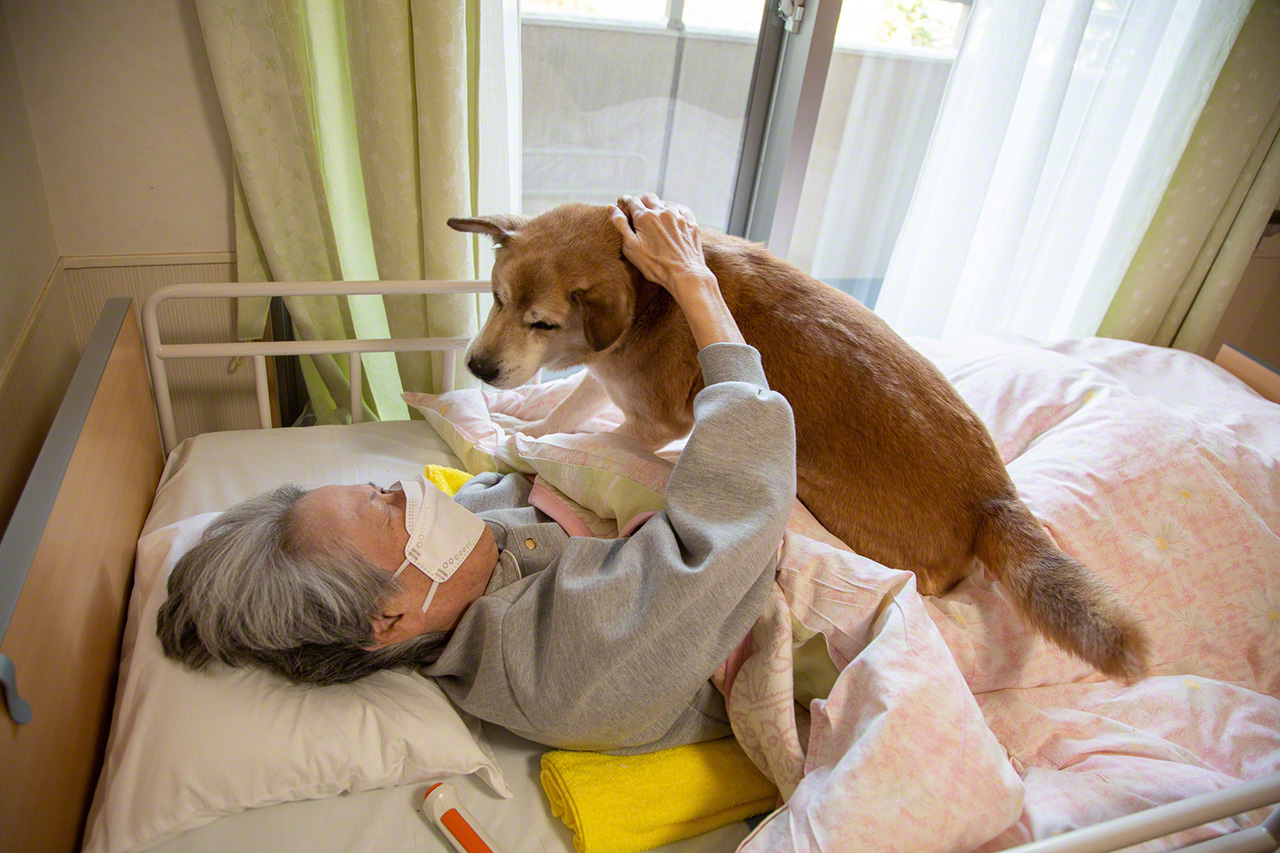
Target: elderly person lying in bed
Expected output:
[572,642]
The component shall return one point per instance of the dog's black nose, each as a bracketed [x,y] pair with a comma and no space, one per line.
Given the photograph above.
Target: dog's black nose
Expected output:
[482,369]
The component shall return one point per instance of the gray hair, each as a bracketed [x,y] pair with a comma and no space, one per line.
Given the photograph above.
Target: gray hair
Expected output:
[256,589]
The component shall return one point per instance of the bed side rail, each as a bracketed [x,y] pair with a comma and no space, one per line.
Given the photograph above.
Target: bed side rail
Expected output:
[1175,817]
[159,352]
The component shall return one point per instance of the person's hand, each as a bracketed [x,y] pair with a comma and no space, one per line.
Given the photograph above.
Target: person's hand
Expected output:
[663,242]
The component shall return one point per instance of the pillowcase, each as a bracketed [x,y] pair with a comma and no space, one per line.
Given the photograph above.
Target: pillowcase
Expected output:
[187,747]
[215,470]
[618,481]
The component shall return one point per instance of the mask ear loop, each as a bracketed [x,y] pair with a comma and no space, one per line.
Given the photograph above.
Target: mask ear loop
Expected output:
[430,595]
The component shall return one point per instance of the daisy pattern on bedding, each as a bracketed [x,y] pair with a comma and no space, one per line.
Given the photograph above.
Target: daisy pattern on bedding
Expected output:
[966,615]
[1188,494]
[1104,525]
[1198,694]
[1264,612]
[1163,540]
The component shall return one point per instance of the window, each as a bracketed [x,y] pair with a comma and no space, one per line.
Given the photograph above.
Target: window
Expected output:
[629,96]
[883,91]
[924,24]
[623,97]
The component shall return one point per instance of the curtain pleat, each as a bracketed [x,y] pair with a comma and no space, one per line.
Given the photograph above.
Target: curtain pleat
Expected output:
[1218,201]
[350,124]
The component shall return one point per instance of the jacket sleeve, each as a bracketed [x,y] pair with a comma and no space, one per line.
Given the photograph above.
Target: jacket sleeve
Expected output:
[605,649]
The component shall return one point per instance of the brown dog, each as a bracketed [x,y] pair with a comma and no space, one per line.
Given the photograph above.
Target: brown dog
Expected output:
[889,457]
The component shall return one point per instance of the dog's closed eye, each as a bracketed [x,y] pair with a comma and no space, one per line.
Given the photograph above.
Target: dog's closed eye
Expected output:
[543,324]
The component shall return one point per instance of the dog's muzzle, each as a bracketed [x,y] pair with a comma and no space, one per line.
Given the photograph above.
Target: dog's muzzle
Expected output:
[483,369]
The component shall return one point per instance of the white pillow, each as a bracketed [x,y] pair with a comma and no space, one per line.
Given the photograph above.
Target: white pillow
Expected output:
[187,747]
[215,470]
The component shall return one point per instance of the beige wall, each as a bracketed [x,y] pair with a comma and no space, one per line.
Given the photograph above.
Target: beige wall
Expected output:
[127,125]
[207,394]
[113,145]
[28,251]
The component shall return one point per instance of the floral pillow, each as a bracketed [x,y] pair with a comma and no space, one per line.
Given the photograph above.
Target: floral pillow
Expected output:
[595,482]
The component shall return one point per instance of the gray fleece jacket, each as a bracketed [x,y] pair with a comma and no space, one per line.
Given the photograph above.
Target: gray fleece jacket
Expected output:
[608,644]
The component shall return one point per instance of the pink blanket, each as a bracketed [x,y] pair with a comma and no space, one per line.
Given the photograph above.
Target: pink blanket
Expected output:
[951,726]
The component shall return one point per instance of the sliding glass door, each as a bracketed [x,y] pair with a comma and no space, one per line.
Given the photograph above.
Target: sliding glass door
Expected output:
[629,96]
[888,69]
[799,124]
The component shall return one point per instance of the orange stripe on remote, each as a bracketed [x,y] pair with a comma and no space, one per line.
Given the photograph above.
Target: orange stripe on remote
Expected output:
[461,830]
[441,805]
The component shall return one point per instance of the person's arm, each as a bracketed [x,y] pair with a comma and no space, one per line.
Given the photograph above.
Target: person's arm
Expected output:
[490,491]
[607,648]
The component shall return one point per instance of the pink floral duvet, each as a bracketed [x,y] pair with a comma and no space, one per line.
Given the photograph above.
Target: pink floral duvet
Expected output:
[950,725]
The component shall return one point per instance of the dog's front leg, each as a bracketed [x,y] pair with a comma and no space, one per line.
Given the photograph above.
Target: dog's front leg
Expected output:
[584,402]
[653,434]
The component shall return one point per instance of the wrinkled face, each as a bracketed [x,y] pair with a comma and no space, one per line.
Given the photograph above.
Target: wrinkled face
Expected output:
[562,293]
[373,520]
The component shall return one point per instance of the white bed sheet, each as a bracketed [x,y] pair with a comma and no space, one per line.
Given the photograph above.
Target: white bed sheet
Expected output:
[387,819]
[214,471]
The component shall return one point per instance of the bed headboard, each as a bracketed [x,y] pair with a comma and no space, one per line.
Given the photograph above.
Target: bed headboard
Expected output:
[66,570]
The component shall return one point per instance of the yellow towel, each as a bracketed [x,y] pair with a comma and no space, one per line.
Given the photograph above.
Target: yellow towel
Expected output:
[449,480]
[626,803]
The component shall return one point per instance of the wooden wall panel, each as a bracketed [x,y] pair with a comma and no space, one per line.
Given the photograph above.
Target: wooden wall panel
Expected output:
[208,395]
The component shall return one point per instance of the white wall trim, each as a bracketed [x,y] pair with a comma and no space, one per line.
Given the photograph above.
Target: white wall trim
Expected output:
[11,357]
[80,262]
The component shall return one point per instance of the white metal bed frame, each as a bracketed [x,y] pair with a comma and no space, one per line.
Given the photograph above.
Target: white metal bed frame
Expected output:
[1102,838]
[158,352]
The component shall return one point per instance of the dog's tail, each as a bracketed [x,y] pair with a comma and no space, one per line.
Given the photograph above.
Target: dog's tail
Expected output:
[1059,596]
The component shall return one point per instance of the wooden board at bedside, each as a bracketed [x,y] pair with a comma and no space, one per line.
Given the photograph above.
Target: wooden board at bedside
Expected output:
[64,634]
[1258,375]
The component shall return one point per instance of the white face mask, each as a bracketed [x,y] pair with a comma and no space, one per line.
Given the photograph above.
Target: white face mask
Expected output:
[441,533]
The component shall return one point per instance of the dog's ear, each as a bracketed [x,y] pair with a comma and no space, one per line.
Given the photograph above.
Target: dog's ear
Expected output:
[606,312]
[501,226]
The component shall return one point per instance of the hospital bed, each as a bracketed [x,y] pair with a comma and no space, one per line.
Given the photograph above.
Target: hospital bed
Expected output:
[111,472]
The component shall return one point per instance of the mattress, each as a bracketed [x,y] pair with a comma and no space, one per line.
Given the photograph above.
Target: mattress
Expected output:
[214,471]
[1154,467]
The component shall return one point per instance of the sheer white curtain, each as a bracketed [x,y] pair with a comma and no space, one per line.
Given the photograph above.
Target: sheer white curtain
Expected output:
[498,166]
[1060,127]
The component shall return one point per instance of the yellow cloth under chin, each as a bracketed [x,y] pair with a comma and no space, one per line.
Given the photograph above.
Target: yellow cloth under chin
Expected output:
[627,803]
[448,480]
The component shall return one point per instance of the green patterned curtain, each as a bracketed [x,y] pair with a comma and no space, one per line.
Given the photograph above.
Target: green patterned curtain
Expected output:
[352,130]
[1219,200]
